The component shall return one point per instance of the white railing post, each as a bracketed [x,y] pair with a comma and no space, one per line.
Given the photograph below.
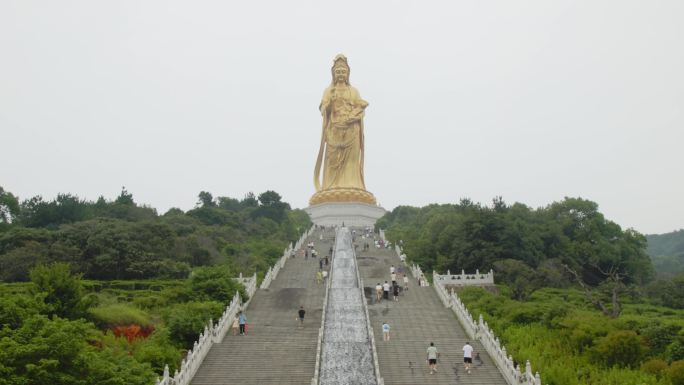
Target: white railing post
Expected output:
[319,344]
[480,330]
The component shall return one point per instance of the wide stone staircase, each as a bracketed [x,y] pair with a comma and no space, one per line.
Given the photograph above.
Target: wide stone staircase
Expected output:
[417,319]
[275,350]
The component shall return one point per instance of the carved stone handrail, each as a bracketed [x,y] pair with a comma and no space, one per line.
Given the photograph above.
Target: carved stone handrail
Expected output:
[464,279]
[481,331]
[321,329]
[369,327]
[272,272]
[477,329]
[213,333]
[418,274]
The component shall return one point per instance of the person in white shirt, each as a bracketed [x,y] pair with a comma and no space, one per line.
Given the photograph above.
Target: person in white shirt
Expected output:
[467,356]
[432,354]
[378,292]
[385,331]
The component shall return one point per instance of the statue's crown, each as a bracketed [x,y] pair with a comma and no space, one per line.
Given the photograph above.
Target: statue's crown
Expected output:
[340,60]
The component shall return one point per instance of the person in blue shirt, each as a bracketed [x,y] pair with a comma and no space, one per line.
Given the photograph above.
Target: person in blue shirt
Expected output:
[243,322]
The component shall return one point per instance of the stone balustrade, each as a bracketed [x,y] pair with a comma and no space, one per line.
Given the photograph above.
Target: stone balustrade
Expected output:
[272,271]
[478,329]
[321,329]
[463,279]
[214,333]
[319,344]
[417,272]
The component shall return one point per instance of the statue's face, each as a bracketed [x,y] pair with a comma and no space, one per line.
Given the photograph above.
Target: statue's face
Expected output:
[341,74]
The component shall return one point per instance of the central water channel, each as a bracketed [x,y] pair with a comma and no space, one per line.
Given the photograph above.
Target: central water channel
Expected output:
[347,351]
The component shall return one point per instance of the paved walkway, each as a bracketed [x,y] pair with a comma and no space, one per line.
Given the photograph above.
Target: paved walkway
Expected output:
[275,350]
[417,319]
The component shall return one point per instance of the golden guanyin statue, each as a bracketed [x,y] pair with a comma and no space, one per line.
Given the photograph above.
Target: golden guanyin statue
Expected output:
[341,150]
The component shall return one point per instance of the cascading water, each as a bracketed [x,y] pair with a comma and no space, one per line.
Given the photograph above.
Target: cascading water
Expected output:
[347,356]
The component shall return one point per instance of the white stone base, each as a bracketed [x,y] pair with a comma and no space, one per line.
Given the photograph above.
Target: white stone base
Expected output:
[347,213]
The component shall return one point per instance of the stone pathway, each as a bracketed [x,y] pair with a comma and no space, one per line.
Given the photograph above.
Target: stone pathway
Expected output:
[417,319]
[275,350]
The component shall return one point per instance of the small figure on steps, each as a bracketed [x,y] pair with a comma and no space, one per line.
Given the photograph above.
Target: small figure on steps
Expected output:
[301,313]
[467,356]
[432,355]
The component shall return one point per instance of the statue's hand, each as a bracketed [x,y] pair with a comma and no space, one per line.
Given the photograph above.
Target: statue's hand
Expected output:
[353,119]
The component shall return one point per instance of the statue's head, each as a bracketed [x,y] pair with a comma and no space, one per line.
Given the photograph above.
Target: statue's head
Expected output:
[340,70]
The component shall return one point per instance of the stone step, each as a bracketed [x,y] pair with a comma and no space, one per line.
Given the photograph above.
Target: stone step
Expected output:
[275,350]
[417,319]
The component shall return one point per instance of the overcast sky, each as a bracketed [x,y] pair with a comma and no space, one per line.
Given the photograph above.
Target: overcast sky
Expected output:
[530,100]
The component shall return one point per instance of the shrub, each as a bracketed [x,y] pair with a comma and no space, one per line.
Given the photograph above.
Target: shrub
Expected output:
[525,314]
[149,301]
[118,314]
[55,351]
[676,372]
[62,291]
[655,367]
[215,283]
[14,309]
[157,350]
[659,336]
[622,348]
[675,351]
[187,320]
[178,294]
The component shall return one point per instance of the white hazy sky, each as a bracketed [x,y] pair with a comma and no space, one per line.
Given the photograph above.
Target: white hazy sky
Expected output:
[530,100]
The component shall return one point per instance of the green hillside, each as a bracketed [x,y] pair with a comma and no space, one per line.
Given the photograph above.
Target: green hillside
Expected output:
[578,295]
[667,252]
[153,281]
[121,239]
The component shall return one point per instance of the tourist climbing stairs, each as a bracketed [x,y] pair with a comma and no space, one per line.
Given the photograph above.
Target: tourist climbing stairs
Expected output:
[275,350]
[417,319]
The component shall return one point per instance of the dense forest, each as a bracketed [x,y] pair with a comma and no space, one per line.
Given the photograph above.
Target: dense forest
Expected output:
[120,239]
[576,294]
[108,292]
[667,252]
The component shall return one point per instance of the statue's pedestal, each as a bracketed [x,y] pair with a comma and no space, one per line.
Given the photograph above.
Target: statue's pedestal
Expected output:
[347,213]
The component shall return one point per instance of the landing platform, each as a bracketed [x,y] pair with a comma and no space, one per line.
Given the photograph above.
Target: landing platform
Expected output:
[347,213]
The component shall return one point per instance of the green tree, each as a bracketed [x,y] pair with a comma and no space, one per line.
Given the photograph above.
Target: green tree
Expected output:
[249,200]
[16,309]
[62,291]
[187,320]
[676,372]
[57,351]
[16,263]
[521,278]
[215,283]
[124,198]
[228,203]
[622,348]
[9,207]
[206,199]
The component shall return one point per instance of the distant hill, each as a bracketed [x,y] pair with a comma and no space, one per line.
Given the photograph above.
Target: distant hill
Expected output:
[667,252]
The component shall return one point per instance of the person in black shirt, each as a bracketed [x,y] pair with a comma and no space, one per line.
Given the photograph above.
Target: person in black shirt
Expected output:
[301,316]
